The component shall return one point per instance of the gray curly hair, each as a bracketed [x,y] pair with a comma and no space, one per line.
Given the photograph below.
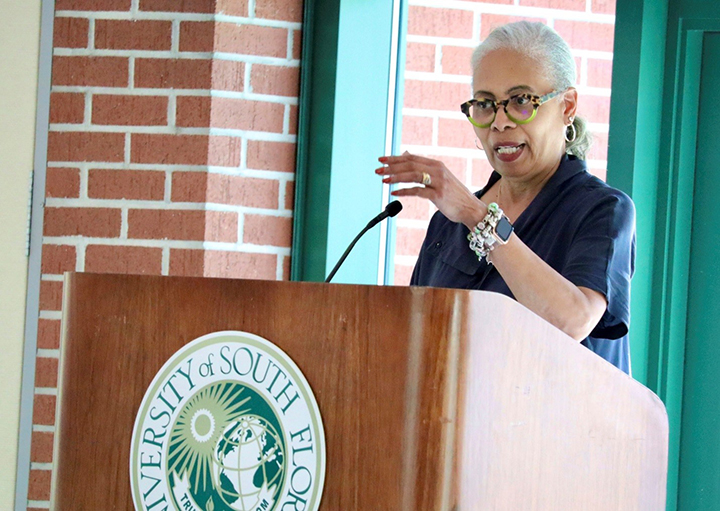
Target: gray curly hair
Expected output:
[542,44]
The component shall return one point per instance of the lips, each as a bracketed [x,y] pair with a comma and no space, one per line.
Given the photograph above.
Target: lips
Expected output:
[509,151]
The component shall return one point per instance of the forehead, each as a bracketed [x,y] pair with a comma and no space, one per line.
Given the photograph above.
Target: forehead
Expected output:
[501,70]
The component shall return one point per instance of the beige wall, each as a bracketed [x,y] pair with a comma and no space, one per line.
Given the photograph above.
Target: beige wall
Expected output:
[19,41]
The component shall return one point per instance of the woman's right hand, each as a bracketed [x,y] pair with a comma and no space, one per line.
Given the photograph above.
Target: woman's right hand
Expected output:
[446,191]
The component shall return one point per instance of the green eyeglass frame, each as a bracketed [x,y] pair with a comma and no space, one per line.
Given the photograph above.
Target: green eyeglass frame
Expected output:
[535,100]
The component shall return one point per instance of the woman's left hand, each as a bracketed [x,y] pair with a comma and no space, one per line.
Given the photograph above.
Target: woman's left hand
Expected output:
[448,194]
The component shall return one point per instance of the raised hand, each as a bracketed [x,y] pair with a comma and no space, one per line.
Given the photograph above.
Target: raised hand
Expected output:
[439,185]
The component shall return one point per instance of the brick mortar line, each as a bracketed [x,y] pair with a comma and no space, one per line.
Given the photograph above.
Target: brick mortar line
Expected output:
[282,187]
[81,249]
[127,142]
[172,110]
[49,277]
[476,27]
[426,76]
[266,136]
[286,120]
[256,249]
[40,466]
[91,35]
[48,353]
[405,260]
[437,62]
[241,227]
[165,261]
[241,247]
[124,222]
[466,79]
[135,204]
[87,112]
[175,37]
[179,16]
[55,315]
[228,171]
[290,44]
[598,128]
[181,55]
[40,504]
[43,428]
[459,152]
[279,267]
[440,114]
[131,72]
[448,41]
[167,189]
[244,153]
[517,10]
[584,72]
[412,223]
[212,93]
[247,83]
[84,180]
[468,43]
[438,77]
[46,391]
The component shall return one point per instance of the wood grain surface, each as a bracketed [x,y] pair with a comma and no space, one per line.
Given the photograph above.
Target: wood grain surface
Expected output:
[430,398]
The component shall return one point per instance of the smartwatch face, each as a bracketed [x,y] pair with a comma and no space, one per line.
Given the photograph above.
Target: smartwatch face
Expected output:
[504,228]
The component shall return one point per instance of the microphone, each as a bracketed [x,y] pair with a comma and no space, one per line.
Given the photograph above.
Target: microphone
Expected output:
[391,209]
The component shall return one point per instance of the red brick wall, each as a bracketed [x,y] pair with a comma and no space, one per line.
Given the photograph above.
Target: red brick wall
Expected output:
[171,151]
[440,42]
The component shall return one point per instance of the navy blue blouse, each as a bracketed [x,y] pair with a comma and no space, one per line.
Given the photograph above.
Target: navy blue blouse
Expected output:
[579,225]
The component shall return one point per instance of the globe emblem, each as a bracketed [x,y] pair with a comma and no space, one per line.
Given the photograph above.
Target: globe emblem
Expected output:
[248,464]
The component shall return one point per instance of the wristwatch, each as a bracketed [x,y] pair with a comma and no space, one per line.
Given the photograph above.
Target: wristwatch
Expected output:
[501,229]
[493,228]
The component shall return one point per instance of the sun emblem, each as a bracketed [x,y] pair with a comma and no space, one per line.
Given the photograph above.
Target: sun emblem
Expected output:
[199,426]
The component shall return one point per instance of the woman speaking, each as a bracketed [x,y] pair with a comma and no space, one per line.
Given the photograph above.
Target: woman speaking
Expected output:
[543,230]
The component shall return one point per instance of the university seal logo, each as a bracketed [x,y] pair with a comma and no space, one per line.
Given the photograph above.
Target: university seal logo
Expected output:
[228,424]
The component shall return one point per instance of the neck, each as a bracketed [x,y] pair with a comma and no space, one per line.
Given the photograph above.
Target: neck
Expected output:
[515,194]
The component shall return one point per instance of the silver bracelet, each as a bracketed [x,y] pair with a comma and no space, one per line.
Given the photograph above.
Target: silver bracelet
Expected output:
[481,238]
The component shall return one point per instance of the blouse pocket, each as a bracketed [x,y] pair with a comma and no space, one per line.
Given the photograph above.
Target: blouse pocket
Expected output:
[457,255]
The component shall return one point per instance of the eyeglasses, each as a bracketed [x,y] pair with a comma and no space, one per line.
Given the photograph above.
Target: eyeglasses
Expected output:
[520,109]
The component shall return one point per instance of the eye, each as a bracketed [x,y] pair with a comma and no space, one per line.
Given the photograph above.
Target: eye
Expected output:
[484,104]
[521,100]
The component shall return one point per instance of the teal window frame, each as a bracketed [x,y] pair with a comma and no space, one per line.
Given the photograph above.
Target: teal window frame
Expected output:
[352,50]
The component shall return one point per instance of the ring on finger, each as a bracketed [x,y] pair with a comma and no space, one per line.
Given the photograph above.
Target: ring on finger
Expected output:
[426,180]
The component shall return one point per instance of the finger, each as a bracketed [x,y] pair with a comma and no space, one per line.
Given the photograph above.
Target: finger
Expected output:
[415,191]
[408,166]
[406,157]
[414,177]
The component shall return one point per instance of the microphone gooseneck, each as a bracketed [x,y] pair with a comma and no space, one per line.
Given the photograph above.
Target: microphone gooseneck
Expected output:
[391,210]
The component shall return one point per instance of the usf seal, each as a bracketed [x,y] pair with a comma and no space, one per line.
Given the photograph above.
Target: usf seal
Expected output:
[228,424]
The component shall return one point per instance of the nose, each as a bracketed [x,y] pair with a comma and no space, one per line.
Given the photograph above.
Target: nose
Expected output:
[502,121]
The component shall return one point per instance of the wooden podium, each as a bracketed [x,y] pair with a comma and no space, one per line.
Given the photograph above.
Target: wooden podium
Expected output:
[431,399]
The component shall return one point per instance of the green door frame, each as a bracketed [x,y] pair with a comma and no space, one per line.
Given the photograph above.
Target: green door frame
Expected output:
[698,487]
[349,49]
[652,146]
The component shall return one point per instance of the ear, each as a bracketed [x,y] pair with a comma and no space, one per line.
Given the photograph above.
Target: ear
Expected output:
[570,98]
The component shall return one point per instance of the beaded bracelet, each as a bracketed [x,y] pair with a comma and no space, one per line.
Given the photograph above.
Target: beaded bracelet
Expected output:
[480,237]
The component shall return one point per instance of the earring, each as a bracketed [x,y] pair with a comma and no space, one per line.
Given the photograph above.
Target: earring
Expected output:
[573,132]
[478,146]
